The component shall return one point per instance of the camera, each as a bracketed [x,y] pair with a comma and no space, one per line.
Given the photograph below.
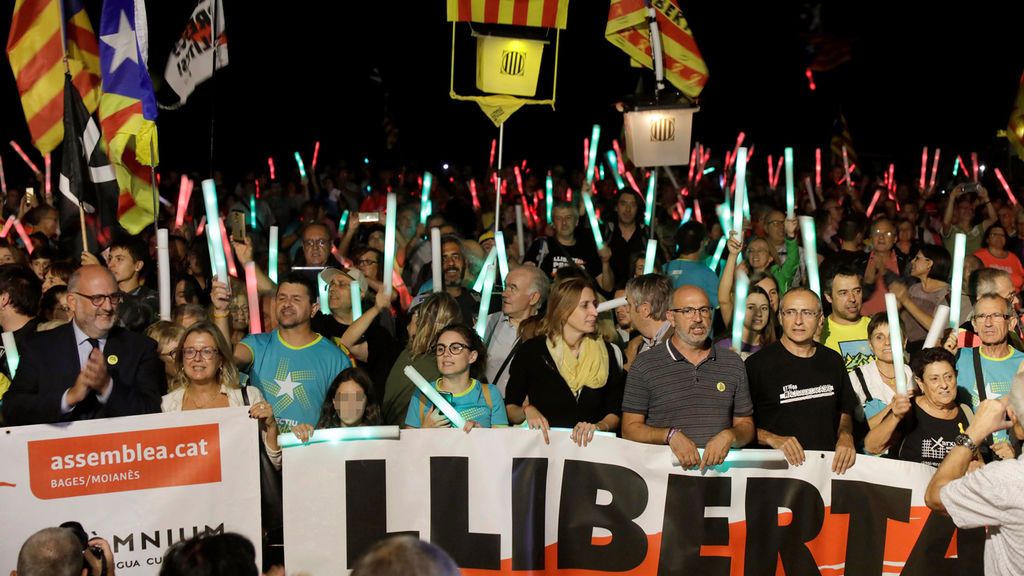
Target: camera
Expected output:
[95,551]
[970,187]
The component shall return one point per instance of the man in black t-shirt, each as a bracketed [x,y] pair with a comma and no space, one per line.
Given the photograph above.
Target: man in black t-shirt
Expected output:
[801,393]
[565,249]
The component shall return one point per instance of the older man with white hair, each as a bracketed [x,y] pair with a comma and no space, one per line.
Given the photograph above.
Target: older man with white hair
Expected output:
[526,290]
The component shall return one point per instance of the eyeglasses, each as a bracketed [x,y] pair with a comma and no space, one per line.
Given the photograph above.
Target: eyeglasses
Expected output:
[172,354]
[992,316]
[792,312]
[97,299]
[316,243]
[207,352]
[455,348]
[690,311]
[366,262]
[883,234]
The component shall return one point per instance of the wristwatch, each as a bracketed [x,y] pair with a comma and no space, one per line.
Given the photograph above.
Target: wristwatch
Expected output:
[965,441]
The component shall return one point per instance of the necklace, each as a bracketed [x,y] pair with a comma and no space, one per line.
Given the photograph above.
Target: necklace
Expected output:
[883,375]
[195,400]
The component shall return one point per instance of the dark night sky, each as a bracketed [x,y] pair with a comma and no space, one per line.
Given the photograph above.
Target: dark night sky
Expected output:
[300,72]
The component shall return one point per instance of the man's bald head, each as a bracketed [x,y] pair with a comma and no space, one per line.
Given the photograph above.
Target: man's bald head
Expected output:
[51,552]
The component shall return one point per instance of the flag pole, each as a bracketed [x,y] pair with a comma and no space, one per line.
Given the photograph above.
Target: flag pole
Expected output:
[156,192]
[213,81]
[497,183]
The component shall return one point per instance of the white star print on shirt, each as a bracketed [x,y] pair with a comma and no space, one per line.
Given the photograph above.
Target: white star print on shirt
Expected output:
[123,43]
[287,386]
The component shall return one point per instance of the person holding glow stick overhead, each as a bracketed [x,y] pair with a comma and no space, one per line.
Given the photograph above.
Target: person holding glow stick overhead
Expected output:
[460,357]
[565,249]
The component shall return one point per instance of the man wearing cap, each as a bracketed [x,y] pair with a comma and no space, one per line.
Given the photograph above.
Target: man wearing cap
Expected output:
[88,368]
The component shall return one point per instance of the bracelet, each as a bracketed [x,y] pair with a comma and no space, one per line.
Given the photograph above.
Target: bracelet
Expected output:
[671,433]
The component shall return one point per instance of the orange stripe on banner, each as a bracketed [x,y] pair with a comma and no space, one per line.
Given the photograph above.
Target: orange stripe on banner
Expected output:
[521,12]
[48,115]
[85,82]
[84,37]
[465,10]
[22,49]
[682,37]
[550,18]
[111,123]
[26,12]
[491,10]
[47,54]
[620,8]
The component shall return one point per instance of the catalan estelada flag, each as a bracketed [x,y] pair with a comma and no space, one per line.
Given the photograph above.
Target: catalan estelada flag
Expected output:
[542,13]
[35,50]
[128,110]
[1015,129]
[628,29]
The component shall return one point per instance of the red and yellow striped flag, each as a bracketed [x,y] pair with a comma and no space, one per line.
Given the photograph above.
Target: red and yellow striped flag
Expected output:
[541,13]
[1015,129]
[34,49]
[628,29]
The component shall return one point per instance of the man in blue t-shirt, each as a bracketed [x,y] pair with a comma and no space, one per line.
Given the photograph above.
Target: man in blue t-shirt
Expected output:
[689,268]
[993,320]
[292,366]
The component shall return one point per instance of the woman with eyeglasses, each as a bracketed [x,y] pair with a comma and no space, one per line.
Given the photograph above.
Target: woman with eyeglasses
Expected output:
[921,428]
[931,268]
[461,356]
[759,258]
[758,326]
[568,372]
[207,378]
[993,254]
[350,401]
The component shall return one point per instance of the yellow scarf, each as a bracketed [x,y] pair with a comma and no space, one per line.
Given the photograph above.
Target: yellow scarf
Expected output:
[590,369]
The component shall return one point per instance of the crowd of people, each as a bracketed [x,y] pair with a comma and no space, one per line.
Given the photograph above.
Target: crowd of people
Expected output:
[809,372]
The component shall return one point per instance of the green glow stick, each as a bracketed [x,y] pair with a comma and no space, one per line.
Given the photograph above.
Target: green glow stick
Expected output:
[389,243]
[272,260]
[687,214]
[499,244]
[485,300]
[435,398]
[478,286]
[11,347]
[588,203]
[302,167]
[613,163]
[722,210]
[595,135]
[213,230]
[343,222]
[652,185]
[652,248]
[549,187]
[896,342]
[790,191]
[739,310]
[957,283]
[357,300]
[252,211]
[341,435]
[425,207]
[526,426]
[810,236]
[324,289]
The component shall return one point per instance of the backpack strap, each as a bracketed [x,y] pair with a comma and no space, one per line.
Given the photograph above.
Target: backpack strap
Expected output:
[979,378]
[863,384]
[486,389]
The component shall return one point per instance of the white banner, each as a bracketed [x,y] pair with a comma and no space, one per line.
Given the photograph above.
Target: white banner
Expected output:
[501,501]
[141,482]
[191,60]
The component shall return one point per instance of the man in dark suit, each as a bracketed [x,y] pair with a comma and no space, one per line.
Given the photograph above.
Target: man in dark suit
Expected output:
[88,368]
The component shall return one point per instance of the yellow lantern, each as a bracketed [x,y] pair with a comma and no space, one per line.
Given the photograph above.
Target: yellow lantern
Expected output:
[508,65]
[659,136]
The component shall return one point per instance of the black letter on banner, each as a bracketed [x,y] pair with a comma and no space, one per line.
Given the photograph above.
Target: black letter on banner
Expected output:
[686,528]
[579,514]
[928,558]
[366,518]
[529,487]
[766,540]
[449,517]
[870,506]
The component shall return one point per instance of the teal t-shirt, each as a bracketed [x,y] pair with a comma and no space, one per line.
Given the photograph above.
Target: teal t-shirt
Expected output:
[471,404]
[686,272]
[998,377]
[293,380]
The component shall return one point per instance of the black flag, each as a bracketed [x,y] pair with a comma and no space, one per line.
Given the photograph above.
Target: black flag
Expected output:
[87,179]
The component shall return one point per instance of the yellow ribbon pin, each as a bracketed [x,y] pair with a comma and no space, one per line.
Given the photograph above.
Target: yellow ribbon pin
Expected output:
[112,359]
[721,386]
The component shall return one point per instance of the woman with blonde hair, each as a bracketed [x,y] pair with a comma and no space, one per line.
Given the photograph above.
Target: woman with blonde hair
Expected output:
[207,378]
[429,316]
[568,372]
[167,336]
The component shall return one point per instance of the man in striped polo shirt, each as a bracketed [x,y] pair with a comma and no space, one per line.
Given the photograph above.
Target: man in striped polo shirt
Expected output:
[687,393]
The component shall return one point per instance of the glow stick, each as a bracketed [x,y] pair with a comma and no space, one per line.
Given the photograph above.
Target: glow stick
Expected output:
[435,259]
[389,242]
[817,168]
[974,166]
[24,236]
[939,322]
[24,157]
[494,146]
[435,398]
[164,273]
[270,164]
[301,165]
[272,259]
[896,342]
[956,285]
[289,440]
[924,167]
[723,215]
[632,182]
[892,181]
[520,241]
[959,164]
[252,292]
[810,236]
[745,455]
[771,172]
[7,226]
[696,211]
[846,168]
[201,227]
[227,250]
[620,165]
[3,180]
[11,350]
[790,184]
[652,186]
[611,304]
[316,153]
[216,239]
[485,300]
[687,215]
[739,204]
[343,222]
[549,191]
[778,172]
[357,300]
[935,168]
[252,212]
[472,191]
[649,256]
[739,310]
[693,165]
[323,290]
[874,199]
[1006,187]
[478,286]
[614,165]
[595,135]
[428,181]
[47,165]
[810,192]
[519,180]
[499,246]
[588,203]
[184,195]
